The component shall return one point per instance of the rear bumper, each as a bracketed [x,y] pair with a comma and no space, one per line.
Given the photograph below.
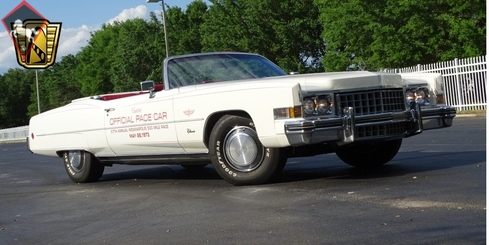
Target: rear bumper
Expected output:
[28,144]
[349,128]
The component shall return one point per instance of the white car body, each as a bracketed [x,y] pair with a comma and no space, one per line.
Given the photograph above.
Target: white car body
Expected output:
[174,125]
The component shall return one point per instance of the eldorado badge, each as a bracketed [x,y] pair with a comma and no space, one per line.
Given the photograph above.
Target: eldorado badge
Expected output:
[35,38]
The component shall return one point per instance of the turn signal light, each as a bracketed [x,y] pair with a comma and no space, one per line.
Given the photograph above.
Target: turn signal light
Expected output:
[286,113]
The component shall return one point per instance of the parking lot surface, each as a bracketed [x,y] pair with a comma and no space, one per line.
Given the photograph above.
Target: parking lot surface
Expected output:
[432,192]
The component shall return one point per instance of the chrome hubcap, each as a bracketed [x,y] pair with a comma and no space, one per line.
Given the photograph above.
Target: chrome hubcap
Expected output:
[242,149]
[76,160]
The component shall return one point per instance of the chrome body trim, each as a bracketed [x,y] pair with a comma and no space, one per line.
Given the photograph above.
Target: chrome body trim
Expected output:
[437,117]
[349,128]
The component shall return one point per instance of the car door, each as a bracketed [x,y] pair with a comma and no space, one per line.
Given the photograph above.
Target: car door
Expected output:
[140,125]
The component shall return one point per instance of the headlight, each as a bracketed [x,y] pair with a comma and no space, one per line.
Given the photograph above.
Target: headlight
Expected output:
[318,106]
[423,96]
[420,95]
[409,97]
[324,105]
[309,106]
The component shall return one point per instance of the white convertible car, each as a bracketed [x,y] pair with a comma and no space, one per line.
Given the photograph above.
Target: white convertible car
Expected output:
[243,114]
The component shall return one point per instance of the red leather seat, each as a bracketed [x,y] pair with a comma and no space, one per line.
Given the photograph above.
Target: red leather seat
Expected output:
[159,87]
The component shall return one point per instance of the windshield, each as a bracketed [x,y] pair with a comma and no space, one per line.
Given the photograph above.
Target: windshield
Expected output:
[218,67]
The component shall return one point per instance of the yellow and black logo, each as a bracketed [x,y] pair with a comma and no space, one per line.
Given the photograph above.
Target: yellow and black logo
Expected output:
[36,42]
[35,38]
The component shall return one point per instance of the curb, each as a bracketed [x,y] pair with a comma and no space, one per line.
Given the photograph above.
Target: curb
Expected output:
[12,141]
[470,115]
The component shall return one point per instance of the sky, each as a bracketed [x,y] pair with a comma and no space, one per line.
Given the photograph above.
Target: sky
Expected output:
[78,18]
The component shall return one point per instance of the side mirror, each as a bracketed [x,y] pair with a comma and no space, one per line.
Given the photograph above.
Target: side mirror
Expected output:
[148,86]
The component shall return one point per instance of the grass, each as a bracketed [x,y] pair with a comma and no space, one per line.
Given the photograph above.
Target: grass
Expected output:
[477,112]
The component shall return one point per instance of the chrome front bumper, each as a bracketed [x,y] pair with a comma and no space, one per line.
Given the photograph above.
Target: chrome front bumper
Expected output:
[437,117]
[349,128]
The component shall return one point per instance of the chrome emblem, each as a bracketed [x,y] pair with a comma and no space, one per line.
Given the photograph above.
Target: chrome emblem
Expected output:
[188,112]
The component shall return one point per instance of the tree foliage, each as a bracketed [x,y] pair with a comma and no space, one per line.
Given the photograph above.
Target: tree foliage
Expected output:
[287,32]
[184,28]
[399,33]
[57,85]
[15,96]
[298,35]
[134,56]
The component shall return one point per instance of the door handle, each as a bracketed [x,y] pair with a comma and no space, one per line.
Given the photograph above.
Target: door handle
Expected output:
[109,110]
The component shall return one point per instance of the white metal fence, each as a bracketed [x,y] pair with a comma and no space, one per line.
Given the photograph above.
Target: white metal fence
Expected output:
[18,133]
[464,81]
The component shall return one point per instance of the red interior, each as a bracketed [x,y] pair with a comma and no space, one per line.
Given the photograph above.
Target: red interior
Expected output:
[158,87]
[118,96]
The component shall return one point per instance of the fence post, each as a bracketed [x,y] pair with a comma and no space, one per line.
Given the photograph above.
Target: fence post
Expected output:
[457,82]
[457,73]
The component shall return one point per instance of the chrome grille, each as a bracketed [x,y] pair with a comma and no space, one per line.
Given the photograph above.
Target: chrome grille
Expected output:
[373,101]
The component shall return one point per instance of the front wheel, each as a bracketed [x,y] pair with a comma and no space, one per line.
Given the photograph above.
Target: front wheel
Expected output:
[238,155]
[370,154]
[82,167]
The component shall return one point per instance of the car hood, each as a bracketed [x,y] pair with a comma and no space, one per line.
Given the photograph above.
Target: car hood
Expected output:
[349,80]
[316,82]
[433,80]
[310,83]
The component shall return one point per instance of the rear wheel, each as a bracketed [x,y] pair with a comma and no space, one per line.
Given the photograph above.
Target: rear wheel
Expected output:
[82,167]
[238,155]
[371,154]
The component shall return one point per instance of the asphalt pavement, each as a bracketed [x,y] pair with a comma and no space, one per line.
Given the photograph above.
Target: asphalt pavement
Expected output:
[432,192]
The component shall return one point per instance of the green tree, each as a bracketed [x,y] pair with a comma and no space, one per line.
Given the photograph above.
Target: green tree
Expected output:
[184,28]
[398,33]
[96,61]
[14,97]
[58,85]
[287,32]
[3,106]
[120,55]
[136,54]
